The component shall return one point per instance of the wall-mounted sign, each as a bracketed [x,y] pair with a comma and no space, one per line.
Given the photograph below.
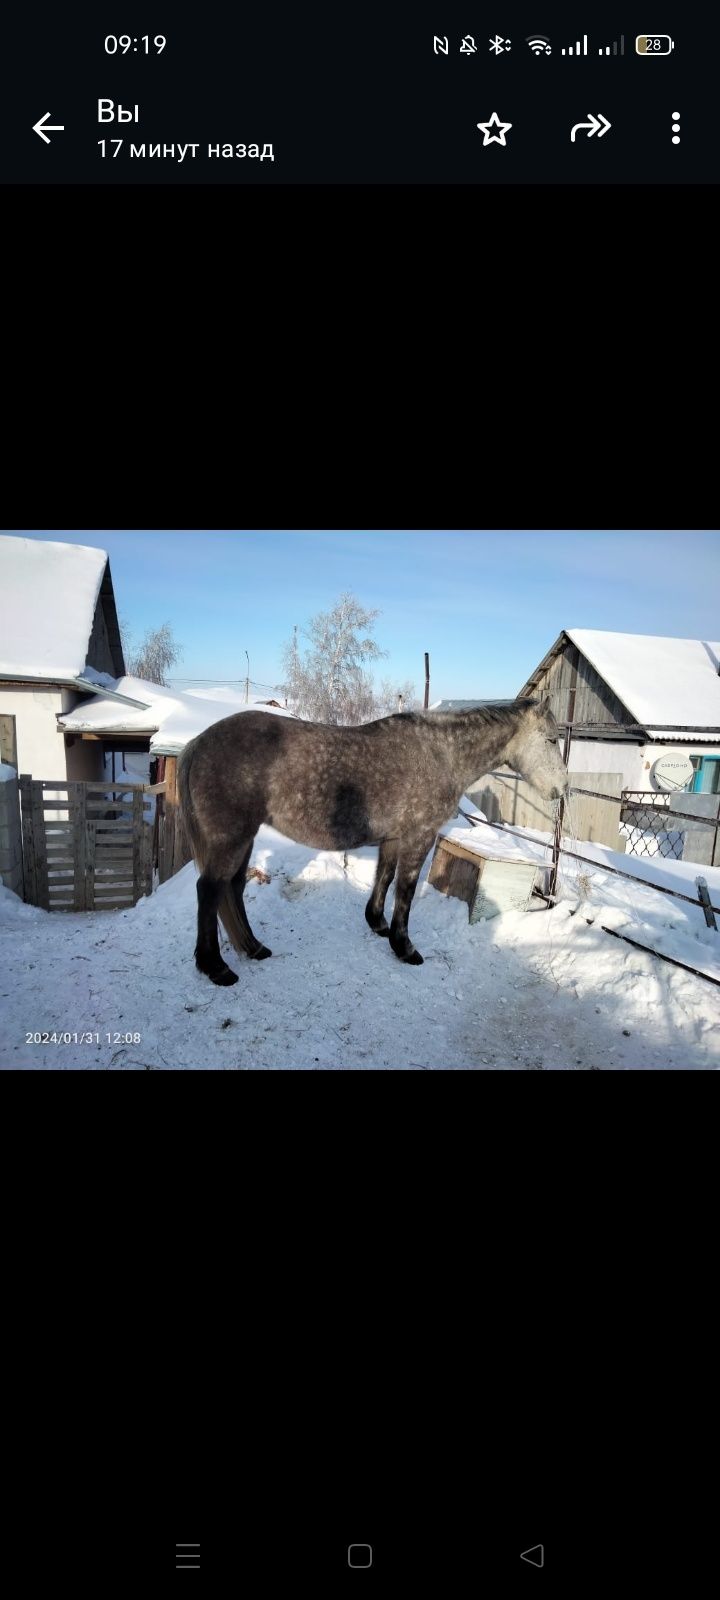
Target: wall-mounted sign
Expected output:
[673,771]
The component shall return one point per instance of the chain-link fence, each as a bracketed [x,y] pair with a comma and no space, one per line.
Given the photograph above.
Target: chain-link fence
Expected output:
[647,829]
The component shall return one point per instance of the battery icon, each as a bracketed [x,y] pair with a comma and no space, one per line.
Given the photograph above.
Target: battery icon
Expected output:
[654,44]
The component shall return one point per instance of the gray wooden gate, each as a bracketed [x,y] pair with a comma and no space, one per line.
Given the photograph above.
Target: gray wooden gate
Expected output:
[86,846]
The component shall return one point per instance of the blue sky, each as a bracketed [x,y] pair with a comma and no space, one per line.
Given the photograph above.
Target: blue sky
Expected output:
[486,605]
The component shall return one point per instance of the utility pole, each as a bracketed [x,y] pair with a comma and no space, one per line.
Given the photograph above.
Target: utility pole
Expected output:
[247,680]
[427,681]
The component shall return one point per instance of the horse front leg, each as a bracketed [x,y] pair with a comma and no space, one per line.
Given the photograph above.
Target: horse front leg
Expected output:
[375,908]
[410,863]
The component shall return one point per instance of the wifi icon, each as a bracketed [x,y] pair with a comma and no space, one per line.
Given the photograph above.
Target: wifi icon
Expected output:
[539,44]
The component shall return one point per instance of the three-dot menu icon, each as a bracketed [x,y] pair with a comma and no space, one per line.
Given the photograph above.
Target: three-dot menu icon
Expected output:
[187,1556]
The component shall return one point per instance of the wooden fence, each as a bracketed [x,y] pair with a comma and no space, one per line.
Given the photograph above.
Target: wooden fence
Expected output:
[86,846]
[170,846]
[504,797]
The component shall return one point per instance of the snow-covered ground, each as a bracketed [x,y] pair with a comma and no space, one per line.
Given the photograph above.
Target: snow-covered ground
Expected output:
[523,990]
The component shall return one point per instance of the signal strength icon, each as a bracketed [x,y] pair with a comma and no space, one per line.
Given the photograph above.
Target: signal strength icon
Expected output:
[577,49]
[539,44]
[607,50]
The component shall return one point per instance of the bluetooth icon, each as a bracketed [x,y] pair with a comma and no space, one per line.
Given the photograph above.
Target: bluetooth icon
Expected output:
[498,45]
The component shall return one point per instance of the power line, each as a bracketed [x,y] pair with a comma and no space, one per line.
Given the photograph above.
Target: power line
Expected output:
[231,682]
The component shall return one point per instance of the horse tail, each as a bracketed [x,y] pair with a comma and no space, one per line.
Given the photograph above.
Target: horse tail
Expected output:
[190,821]
[228,913]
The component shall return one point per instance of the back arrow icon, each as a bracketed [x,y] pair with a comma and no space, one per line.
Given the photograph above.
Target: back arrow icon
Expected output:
[52,127]
[595,122]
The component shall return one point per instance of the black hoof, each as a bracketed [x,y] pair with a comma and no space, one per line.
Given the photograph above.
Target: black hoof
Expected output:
[377,924]
[217,974]
[408,953]
[260,953]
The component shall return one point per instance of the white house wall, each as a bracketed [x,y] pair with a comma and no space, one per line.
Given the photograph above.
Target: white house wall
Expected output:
[634,761]
[40,744]
[653,752]
[599,755]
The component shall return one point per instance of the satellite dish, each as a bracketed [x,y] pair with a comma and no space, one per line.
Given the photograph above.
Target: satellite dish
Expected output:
[673,771]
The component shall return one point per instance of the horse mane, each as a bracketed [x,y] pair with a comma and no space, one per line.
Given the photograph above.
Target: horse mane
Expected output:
[505,715]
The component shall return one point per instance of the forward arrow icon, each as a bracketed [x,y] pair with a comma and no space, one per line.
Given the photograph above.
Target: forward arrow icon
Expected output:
[592,126]
[52,127]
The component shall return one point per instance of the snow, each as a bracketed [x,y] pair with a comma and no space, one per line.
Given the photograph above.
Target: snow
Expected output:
[173,716]
[7,772]
[530,844]
[193,713]
[524,990]
[49,596]
[661,681]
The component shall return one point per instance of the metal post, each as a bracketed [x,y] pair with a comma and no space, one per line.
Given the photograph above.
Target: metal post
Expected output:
[560,813]
[427,681]
[704,899]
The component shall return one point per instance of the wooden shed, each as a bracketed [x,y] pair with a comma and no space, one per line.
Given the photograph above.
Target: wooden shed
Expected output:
[488,883]
[631,698]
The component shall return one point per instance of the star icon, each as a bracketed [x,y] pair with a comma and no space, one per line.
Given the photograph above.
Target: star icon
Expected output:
[501,129]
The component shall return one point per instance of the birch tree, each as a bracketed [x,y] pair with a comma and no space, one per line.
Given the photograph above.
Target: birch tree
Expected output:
[329,681]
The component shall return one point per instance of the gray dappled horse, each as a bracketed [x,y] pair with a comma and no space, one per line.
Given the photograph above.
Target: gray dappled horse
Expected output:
[391,783]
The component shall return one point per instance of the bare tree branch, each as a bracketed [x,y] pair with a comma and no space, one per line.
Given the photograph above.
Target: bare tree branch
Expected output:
[158,652]
[330,681]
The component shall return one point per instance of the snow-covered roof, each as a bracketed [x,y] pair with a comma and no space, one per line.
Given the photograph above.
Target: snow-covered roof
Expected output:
[660,680]
[666,684]
[465,705]
[49,594]
[171,716]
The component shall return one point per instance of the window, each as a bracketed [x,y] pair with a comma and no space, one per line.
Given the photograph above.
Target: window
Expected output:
[707,775]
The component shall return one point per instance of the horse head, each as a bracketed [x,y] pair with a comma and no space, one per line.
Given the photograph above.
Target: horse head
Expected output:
[534,750]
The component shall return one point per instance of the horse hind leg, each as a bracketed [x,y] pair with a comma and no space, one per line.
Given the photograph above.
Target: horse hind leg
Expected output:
[409,867]
[207,950]
[220,890]
[375,908]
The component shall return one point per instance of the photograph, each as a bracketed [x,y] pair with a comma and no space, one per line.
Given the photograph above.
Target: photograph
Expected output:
[359,800]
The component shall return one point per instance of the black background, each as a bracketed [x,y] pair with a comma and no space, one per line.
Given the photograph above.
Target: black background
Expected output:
[356,94]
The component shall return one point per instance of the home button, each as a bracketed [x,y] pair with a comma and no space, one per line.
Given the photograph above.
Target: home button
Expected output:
[359,1555]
